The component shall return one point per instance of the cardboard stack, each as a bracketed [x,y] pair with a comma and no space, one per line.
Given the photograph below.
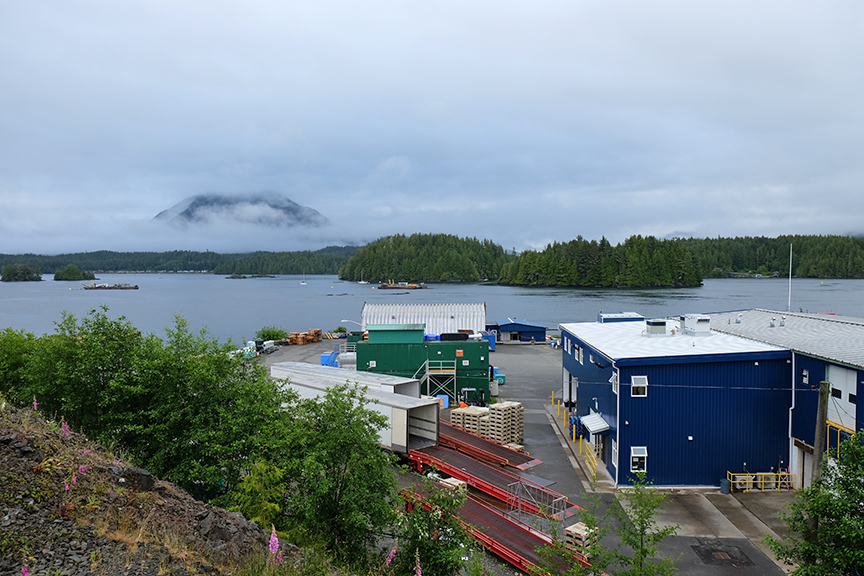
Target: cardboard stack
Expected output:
[507,422]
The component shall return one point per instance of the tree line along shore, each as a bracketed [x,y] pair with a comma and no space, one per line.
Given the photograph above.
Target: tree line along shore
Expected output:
[639,261]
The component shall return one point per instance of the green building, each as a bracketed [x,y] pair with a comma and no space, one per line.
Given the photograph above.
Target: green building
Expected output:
[459,369]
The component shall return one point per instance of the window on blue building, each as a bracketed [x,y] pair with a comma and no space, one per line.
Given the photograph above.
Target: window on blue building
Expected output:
[639,386]
[638,459]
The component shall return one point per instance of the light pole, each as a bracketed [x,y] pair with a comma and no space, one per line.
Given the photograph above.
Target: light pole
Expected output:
[353,322]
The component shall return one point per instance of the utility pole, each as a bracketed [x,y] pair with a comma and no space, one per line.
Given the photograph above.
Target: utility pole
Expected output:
[821,432]
[818,450]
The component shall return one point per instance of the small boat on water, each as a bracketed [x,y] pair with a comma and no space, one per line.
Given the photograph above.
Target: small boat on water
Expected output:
[94,286]
[401,286]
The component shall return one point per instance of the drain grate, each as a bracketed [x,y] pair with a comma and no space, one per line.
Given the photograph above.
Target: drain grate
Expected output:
[715,553]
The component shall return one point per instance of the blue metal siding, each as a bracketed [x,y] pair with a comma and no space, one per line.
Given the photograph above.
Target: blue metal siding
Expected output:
[806,397]
[593,391]
[736,412]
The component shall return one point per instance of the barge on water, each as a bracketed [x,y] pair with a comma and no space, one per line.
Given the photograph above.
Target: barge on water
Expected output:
[93,286]
[401,286]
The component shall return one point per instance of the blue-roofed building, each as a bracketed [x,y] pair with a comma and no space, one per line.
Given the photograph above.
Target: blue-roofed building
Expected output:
[511,330]
[677,400]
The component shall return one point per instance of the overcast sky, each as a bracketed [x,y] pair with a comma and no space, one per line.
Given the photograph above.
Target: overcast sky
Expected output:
[522,122]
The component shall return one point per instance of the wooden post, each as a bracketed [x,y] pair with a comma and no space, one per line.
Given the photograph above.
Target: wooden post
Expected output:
[818,450]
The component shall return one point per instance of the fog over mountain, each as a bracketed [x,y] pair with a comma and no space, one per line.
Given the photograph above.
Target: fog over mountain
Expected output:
[265,209]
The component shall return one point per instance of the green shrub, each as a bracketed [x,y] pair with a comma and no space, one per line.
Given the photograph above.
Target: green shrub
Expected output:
[271,333]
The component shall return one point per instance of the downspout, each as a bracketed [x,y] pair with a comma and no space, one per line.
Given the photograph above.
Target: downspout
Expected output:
[618,419]
[791,408]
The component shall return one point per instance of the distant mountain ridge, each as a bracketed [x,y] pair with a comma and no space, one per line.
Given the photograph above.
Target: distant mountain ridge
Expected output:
[263,208]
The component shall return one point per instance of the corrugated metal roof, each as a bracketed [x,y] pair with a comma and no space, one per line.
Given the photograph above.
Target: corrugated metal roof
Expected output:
[837,338]
[323,377]
[595,423]
[438,318]
[618,340]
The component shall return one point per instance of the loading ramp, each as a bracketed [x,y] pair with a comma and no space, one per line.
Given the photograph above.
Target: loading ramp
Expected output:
[511,541]
[481,448]
[517,492]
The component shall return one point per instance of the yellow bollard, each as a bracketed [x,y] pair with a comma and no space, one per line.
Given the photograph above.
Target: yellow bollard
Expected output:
[574,433]
[553,393]
[559,407]
[580,444]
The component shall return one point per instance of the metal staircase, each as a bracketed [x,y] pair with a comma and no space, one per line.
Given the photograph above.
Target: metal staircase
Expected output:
[438,377]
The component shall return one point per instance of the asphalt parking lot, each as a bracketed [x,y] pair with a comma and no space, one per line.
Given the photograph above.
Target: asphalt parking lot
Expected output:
[718,534]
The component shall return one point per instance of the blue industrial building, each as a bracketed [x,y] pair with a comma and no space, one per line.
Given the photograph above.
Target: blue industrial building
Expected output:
[822,347]
[677,400]
[511,330]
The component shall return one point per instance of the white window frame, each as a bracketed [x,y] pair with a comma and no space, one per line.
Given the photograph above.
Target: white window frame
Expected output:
[615,453]
[637,453]
[581,359]
[639,384]
[614,381]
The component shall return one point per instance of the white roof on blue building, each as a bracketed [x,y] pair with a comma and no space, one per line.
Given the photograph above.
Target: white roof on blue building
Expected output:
[629,340]
[836,338]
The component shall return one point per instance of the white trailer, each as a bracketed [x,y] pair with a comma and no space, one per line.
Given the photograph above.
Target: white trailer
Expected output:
[412,420]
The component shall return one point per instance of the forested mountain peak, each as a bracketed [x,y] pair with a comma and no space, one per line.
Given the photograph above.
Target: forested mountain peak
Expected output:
[264,208]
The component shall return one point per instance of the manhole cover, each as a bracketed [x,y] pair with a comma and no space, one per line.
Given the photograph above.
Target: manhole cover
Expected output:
[714,552]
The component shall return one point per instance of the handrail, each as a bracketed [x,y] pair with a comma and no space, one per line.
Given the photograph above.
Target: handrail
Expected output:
[761,480]
[441,365]
[592,454]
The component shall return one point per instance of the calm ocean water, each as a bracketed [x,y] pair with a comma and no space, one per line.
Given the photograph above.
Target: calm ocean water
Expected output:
[236,309]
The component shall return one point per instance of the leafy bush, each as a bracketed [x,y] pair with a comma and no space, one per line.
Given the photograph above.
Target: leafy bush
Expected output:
[271,333]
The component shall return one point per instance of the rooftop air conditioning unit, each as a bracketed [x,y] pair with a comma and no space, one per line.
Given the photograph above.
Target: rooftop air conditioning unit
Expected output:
[655,327]
[697,325]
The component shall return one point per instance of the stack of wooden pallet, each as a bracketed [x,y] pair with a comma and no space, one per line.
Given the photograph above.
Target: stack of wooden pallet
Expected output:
[314,334]
[468,417]
[502,422]
[507,422]
[577,536]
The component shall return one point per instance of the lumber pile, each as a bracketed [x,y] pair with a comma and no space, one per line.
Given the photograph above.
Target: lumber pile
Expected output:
[299,338]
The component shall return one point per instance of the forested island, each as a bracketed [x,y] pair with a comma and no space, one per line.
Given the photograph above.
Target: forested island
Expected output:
[639,261]
[72,272]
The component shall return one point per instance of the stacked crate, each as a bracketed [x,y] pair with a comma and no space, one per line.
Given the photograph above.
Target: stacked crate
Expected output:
[314,335]
[468,417]
[507,422]
[578,537]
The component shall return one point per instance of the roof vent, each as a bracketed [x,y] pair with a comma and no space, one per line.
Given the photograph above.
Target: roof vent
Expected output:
[655,327]
[738,318]
[697,325]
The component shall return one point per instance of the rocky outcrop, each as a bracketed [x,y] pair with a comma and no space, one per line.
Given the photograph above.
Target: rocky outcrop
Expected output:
[69,507]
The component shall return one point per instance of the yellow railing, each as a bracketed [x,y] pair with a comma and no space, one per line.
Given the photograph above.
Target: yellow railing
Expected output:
[592,454]
[745,481]
[834,432]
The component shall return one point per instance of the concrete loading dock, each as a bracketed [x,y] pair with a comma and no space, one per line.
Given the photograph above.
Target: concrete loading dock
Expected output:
[413,421]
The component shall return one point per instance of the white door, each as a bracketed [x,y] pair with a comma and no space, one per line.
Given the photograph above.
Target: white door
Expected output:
[844,387]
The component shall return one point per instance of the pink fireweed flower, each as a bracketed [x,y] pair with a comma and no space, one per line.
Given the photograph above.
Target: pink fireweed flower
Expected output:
[25,570]
[274,540]
[86,452]
[74,479]
[66,484]
[418,571]
[279,557]
[391,555]
[35,407]
[64,428]
[82,469]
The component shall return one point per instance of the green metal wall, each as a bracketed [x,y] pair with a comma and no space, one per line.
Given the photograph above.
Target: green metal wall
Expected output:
[472,367]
